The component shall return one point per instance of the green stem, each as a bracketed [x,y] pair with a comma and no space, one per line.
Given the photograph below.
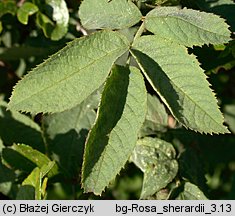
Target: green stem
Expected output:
[139,32]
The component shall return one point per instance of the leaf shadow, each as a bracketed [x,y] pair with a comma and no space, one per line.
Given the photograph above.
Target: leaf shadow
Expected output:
[14,131]
[67,149]
[161,83]
[26,192]
[110,112]
[17,161]
[192,167]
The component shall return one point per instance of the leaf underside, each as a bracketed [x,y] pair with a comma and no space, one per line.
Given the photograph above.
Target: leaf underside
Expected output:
[66,133]
[156,158]
[69,76]
[156,118]
[114,135]
[180,82]
[191,192]
[102,14]
[187,27]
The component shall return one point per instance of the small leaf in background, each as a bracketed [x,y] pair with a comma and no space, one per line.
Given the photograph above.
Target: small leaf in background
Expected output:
[34,186]
[187,27]
[7,6]
[19,128]
[117,14]
[81,67]
[16,161]
[60,15]
[34,179]
[35,156]
[66,133]
[113,137]
[180,82]
[26,10]
[129,33]
[156,158]
[24,157]
[156,118]
[45,24]
[191,192]
[31,186]
[229,114]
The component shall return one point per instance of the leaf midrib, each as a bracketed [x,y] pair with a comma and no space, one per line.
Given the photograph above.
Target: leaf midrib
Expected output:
[196,105]
[186,95]
[67,77]
[179,18]
[104,153]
